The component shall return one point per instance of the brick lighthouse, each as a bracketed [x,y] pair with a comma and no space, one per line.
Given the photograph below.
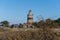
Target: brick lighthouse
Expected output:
[29,19]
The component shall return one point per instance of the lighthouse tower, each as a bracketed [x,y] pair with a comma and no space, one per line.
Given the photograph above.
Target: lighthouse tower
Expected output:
[29,19]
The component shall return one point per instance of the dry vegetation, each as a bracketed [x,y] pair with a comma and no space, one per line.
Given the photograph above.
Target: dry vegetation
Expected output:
[9,34]
[44,30]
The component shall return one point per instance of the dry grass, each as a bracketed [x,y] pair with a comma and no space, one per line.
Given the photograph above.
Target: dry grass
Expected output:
[26,34]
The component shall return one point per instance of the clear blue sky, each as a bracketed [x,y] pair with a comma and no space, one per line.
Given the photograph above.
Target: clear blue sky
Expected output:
[15,11]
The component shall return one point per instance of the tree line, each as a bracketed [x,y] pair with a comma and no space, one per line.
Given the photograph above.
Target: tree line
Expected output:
[42,23]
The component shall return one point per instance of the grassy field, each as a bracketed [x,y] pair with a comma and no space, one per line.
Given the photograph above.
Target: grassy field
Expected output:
[27,34]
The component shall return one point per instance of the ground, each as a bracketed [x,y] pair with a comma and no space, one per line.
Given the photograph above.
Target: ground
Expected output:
[28,34]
